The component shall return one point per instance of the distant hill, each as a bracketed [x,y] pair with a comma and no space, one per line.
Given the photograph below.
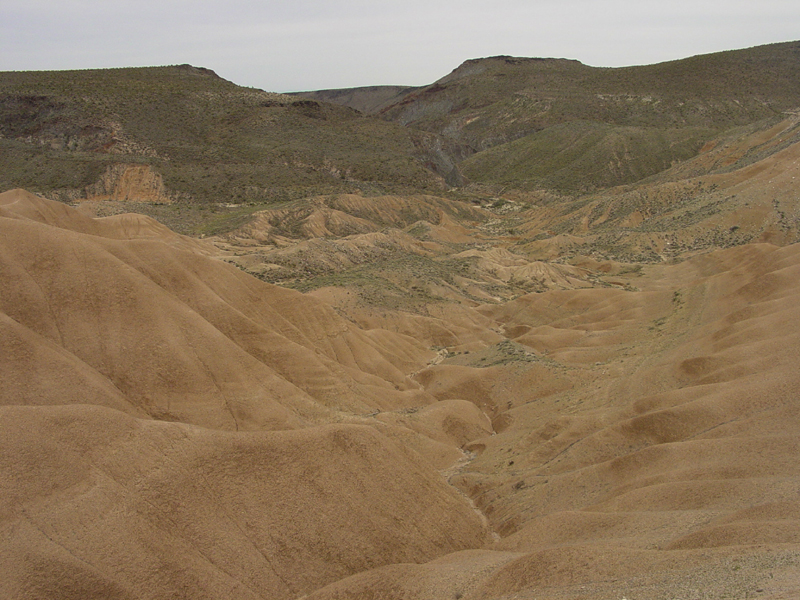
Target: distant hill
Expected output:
[560,124]
[182,134]
[368,100]
[202,139]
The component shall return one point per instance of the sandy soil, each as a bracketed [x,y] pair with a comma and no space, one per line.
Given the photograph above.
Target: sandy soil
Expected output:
[173,427]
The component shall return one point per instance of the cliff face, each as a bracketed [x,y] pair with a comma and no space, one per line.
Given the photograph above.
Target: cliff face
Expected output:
[129,183]
[120,182]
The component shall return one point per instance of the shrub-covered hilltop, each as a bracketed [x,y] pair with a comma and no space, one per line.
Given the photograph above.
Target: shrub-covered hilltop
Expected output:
[202,137]
[202,154]
[534,123]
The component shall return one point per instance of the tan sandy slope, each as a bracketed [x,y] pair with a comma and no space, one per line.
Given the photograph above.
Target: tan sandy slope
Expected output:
[97,504]
[664,466]
[637,438]
[174,334]
[109,323]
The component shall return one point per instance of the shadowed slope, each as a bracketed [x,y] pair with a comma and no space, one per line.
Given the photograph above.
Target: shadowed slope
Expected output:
[95,503]
[369,99]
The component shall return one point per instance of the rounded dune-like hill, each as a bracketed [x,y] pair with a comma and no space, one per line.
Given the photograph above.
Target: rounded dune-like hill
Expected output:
[100,504]
[623,440]
[177,335]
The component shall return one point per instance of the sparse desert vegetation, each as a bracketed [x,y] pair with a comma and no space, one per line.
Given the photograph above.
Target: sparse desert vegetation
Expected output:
[528,332]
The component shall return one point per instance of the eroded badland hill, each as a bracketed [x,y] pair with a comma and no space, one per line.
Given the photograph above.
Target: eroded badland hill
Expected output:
[530,332]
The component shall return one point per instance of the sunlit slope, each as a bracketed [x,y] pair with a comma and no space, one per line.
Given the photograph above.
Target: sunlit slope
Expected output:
[582,156]
[664,461]
[171,333]
[112,327]
[634,438]
[681,361]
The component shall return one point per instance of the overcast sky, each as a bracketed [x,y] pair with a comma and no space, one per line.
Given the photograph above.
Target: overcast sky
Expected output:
[314,44]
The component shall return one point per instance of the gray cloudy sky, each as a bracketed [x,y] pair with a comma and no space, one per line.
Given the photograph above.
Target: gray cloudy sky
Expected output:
[313,44]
